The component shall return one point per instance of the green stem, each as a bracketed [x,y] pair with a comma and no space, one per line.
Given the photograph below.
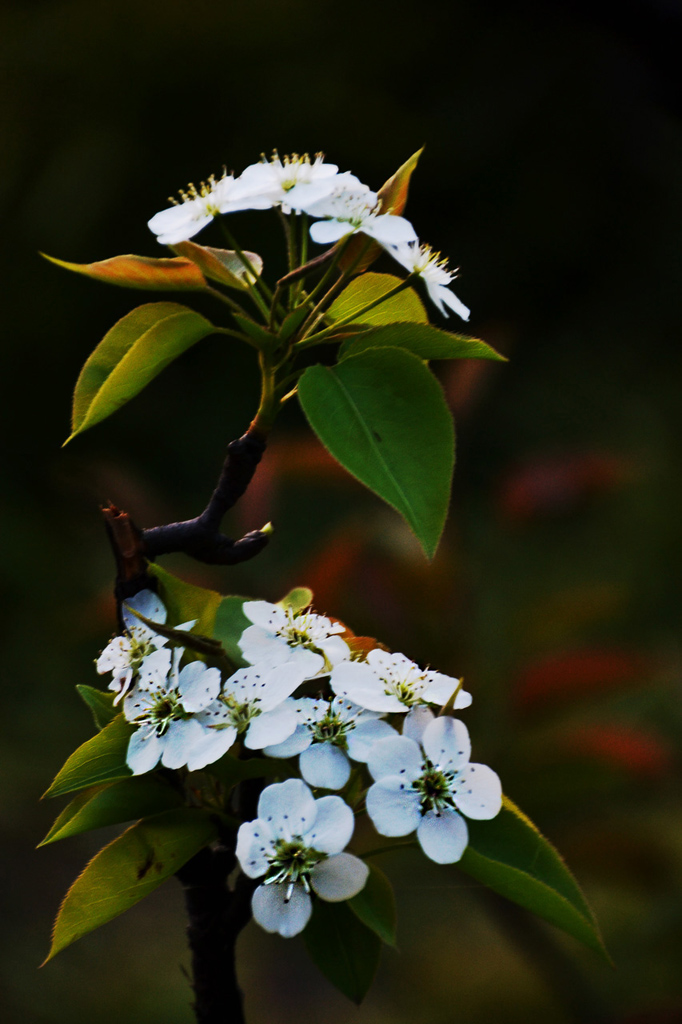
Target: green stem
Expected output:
[234,306]
[269,403]
[316,315]
[260,285]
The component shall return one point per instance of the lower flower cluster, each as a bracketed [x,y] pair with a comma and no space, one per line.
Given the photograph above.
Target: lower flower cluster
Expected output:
[381,730]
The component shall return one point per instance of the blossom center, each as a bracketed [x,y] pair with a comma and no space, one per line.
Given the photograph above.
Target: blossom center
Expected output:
[166,708]
[241,713]
[408,690]
[331,729]
[291,863]
[138,649]
[434,787]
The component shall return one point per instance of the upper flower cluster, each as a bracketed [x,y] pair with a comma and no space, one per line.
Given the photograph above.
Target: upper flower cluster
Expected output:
[419,762]
[340,202]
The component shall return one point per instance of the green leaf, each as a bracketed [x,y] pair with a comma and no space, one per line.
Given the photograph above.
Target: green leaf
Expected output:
[102,758]
[383,416]
[343,948]
[221,265]
[405,307]
[129,869]
[185,601]
[297,599]
[230,623]
[393,197]
[231,770]
[510,856]
[204,645]
[101,704]
[375,905]
[292,321]
[422,340]
[130,355]
[112,803]
[141,272]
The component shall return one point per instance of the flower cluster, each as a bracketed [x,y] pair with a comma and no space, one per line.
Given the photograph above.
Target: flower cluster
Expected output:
[340,203]
[376,712]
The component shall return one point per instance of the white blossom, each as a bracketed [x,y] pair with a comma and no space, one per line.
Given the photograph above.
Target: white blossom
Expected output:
[294,182]
[125,655]
[391,682]
[328,733]
[254,703]
[279,635]
[422,260]
[348,211]
[164,707]
[296,842]
[197,209]
[421,786]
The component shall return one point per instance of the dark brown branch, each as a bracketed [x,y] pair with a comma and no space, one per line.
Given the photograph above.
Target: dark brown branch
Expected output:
[201,537]
[216,918]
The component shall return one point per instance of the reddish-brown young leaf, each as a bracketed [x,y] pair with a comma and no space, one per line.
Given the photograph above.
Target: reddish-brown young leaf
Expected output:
[143,272]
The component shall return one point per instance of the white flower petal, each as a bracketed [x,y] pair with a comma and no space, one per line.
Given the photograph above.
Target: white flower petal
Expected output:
[144,750]
[324,765]
[212,745]
[451,300]
[178,742]
[362,738]
[339,878]
[357,681]
[396,755]
[416,721]
[271,727]
[268,616]
[446,743]
[334,649]
[478,791]
[299,741]
[288,808]
[439,688]
[389,229]
[443,836]
[147,603]
[262,647]
[326,232]
[275,913]
[114,656]
[254,845]
[393,806]
[333,825]
[198,686]
[154,670]
[280,683]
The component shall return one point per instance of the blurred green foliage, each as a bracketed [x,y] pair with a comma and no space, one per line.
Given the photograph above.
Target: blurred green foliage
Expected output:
[552,173]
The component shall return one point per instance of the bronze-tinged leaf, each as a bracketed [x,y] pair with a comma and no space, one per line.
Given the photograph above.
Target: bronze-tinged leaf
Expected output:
[143,272]
[221,265]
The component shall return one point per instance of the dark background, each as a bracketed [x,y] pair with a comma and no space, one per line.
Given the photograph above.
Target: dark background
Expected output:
[553,175]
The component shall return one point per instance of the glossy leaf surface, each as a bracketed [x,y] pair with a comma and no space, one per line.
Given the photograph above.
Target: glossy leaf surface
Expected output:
[128,869]
[383,416]
[130,355]
[422,340]
[101,704]
[510,856]
[375,905]
[405,307]
[112,803]
[343,948]
[185,601]
[102,758]
[230,623]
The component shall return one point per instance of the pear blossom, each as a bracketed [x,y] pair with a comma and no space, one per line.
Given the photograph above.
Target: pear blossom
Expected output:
[164,708]
[423,785]
[292,181]
[296,842]
[427,264]
[254,703]
[328,733]
[391,682]
[199,206]
[351,210]
[125,655]
[279,635]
